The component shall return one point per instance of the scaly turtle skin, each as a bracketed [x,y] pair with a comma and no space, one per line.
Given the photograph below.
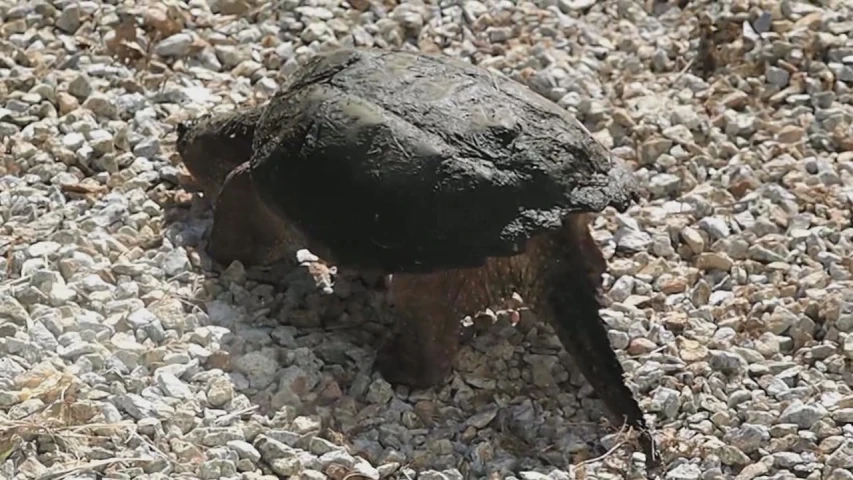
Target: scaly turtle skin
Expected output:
[463,184]
[216,148]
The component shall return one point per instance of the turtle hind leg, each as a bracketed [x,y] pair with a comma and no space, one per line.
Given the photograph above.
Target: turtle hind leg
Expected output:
[420,353]
[245,229]
[571,297]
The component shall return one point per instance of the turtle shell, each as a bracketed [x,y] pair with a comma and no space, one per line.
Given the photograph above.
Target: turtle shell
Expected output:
[409,162]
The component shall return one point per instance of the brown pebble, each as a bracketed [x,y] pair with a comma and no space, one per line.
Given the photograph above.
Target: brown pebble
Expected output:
[790,134]
[673,285]
[66,102]
[714,261]
[640,346]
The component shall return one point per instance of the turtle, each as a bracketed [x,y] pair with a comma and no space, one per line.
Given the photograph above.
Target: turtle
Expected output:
[458,183]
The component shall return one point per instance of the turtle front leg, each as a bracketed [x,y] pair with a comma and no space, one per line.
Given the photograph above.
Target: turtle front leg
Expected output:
[421,352]
[245,229]
[430,308]
[569,288]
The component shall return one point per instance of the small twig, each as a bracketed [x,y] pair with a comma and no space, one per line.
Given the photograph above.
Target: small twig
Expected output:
[151,445]
[683,71]
[353,474]
[610,452]
[88,467]
[228,417]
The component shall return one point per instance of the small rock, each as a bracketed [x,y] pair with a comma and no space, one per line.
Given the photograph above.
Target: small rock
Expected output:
[714,261]
[685,471]
[726,362]
[101,105]
[177,45]
[843,415]
[777,76]
[693,239]
[260,367]
[134,405]
[632,240]
[176,261]
[641,345]
[380,392]
[731,455]
[749,438]
[666,401]
[840,474]
[11,309]
[69,19]
[287,467]
[172,386]
[847,347]
[803,415]
[81,86]
[790,134]
[220,391]
[244,450]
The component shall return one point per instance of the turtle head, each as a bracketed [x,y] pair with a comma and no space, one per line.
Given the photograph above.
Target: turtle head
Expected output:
[625,188]
[212,145]
[182,128]
[184,131]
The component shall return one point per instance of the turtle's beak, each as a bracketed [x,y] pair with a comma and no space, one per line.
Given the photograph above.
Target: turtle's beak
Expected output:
[182,129]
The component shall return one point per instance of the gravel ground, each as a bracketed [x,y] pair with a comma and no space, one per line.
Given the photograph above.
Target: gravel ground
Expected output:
[124,351]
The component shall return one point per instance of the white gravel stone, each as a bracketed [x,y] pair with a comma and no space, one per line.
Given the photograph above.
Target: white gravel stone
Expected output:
[175,45]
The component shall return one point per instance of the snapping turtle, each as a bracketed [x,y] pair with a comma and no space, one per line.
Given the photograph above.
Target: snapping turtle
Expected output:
[463,184]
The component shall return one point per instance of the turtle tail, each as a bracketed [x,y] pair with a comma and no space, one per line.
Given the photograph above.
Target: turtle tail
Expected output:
[574,302]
